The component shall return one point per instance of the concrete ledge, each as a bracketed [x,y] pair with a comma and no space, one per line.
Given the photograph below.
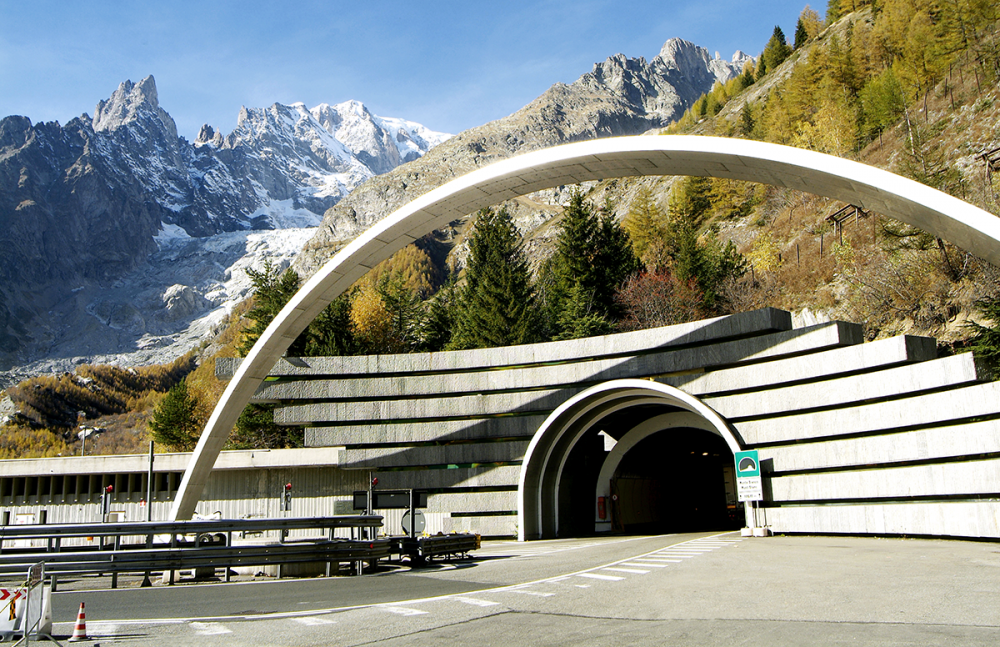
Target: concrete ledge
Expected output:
[376,458]
[915,378]
[576,373]
[945,479]
[946,518]
[502,427]
[483,476]
[938,442]
[427,409]
[499,526]
[472,501]
[811,368]
[958,404]
[696,332]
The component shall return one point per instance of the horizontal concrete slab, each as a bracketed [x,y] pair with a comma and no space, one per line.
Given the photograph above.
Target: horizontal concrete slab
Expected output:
[499,526]
[935,375]
[483,476]
[947,518]
[945,479]
[930,409]
[465,406]
[579,374]
[694,333]
[384,457]
[472,502]
[441,430]
[937,442]
[807,368]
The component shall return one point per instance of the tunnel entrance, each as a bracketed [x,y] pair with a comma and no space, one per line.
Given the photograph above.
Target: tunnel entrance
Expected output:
[675,481]
[667,454]
[649,472]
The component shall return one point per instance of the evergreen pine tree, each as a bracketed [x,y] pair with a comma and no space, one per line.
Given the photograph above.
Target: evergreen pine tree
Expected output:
[776,50]
[256,429]
[497,305]
[271,293]
[986,340]
[175,422]
[801,35]
[593,256]
[436,329]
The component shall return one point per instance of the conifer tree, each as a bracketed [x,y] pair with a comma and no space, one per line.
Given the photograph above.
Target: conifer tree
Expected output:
[801,35]
[174,422]
[593,256]
[985,342]
[271,293]
[644,223]
[497,305]
[776,50]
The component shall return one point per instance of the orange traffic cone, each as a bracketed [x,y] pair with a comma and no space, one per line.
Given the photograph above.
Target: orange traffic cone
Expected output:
[80,630]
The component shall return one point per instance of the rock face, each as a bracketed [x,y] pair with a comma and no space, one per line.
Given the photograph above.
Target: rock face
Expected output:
[621,96]
[85,205]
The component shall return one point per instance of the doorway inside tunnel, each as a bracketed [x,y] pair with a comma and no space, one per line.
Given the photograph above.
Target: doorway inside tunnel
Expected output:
[651,469]
[679,480]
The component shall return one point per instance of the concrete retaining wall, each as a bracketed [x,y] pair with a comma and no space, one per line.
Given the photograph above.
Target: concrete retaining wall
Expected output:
[882,437]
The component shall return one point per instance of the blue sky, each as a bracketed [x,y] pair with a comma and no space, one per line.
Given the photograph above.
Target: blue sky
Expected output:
[447,65]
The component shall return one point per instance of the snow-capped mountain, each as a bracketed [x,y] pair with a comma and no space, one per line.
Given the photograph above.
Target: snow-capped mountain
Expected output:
[90,207]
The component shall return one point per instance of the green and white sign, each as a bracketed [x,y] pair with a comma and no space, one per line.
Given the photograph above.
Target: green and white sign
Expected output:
[748,483]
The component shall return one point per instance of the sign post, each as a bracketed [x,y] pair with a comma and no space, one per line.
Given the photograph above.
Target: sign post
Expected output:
[748,483]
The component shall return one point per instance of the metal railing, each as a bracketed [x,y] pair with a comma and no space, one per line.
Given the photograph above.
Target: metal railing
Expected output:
[202,550]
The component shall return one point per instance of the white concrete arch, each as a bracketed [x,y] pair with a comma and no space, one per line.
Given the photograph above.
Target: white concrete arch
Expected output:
[631,438]
[953,220]
[550,447]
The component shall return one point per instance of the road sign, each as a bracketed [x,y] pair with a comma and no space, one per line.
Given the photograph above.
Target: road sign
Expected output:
[748,483]
[418,526]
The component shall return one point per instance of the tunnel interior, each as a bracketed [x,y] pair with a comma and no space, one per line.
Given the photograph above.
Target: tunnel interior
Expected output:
[679,479]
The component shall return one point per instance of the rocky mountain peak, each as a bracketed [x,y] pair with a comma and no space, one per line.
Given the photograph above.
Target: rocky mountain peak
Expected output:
[129,103]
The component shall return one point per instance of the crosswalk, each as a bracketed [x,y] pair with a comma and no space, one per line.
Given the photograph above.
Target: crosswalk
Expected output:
[480,602]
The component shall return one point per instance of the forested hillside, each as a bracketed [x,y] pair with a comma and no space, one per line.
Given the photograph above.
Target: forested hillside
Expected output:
[908,86]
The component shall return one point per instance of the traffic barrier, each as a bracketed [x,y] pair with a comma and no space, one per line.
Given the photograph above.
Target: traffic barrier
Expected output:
[80,629]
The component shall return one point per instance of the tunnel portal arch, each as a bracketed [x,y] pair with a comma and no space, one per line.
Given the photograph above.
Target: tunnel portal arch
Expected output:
[540,491]
[938,213]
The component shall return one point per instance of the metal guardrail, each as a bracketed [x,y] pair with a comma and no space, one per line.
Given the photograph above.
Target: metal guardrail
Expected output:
[170,559]
[146,528]
[178,554]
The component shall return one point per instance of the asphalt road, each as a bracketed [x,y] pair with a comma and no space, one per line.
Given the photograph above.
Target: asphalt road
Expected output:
[676,589]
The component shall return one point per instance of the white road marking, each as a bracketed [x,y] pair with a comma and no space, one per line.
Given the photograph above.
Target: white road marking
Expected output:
[103,629]
[663,560]
[536,593]
[404,611]
[598,576]
[210,628]
[625,570]
[644,564]
[313,621]
[477,602]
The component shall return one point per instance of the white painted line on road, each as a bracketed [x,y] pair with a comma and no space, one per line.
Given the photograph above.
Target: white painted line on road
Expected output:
[103,629]
[404,611]
[664,560]
[687,549]
[626,570]
[477,602]
[535,593]
[313,621]
[598,576]
[645,564]
[210,628]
